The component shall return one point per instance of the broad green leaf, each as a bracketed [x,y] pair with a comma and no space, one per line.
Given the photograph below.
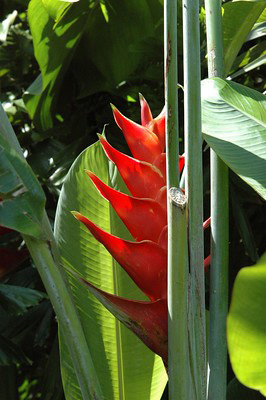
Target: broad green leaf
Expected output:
[55,8]
[53,51]
[23,200]
[234,125]
[238,20]
[126,368]
[262,17]
[114,51]
[246,326]
[108,36]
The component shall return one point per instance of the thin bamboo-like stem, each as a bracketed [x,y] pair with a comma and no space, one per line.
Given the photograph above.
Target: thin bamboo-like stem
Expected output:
[171,99]
[47,260]
[178,347]
[194,191]
[219,225]
[178,360]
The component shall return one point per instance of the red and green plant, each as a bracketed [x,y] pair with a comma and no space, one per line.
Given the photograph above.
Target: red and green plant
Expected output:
[108,50]
[144,213]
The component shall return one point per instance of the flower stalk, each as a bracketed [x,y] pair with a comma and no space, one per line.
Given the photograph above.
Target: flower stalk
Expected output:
[194,192]
[178,348]
[219,225]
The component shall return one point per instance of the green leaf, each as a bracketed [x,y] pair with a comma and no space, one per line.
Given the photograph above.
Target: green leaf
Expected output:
[53,51]
[55,8]
[238,19]
[125,367]
[23,200]
[251,55]
[103,46]
[262,17]
[114,50]
[17,299]
[258,31]
[234,125]
[246,332]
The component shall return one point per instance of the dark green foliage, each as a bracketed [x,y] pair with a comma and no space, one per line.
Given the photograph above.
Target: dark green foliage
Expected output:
[98,68]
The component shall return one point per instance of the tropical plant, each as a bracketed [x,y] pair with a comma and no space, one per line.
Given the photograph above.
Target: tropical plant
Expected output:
[121,47]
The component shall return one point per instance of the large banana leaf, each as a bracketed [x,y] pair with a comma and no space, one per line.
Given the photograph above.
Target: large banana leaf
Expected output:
[126,369]
[53,48]
[246,324]
[234,125]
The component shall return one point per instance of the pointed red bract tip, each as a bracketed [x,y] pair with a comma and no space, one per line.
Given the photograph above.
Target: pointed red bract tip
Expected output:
[133,211]
[145,262]
[146,115]
[148,320]
[157,126]
[77,215]
[142,179]
[143,143]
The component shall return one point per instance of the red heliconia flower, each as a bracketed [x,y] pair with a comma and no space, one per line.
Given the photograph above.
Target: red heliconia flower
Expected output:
[145,215]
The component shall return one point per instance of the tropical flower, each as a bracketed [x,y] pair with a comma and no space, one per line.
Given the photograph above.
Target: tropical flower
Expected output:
[145,215]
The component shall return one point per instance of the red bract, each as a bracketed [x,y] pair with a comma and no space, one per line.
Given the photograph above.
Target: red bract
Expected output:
[142,179]
[144,214]
[148,320]
[143,143]
[143,261]
[133,211]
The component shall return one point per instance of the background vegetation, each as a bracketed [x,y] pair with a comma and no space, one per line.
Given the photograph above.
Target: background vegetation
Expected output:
[85,66]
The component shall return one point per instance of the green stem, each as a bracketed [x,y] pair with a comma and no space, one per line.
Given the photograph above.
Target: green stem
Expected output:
[194,191]
[171,100]
[178,346]
[48,262]
[219,226]
[179,373]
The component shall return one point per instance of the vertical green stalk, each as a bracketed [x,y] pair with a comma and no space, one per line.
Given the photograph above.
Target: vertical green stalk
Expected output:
[219,225]
[179,374]
[47,260]
[194,192]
